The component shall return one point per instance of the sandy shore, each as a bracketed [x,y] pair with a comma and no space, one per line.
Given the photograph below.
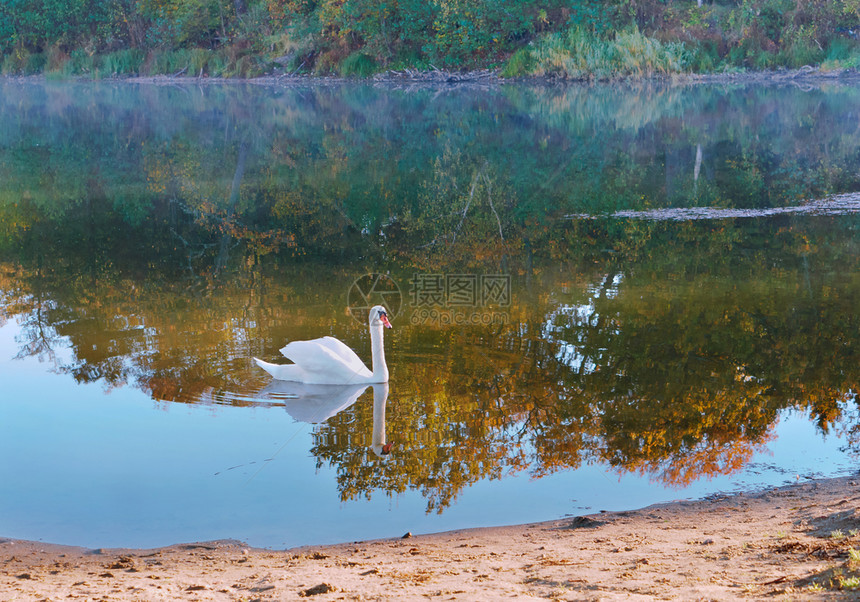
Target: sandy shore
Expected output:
[788,543]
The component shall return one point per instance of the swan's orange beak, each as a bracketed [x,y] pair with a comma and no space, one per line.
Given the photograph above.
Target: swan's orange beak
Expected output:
[386,449]
[385,321]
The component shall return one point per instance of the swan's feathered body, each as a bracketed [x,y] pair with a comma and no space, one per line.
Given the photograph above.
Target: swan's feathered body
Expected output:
[328,361]
[320,361]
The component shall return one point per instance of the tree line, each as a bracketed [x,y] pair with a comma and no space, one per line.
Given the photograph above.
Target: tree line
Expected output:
[562,38]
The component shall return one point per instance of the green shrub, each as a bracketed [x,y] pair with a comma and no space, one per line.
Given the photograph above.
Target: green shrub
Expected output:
[198,58]
[841,49]
[23,62]
[243,66]
[520,64]
[160,62]
[80,63]
[217,64]
[11,65]
[358,64]
[842,53]
[704,57]
[739,54]
[35,63]
[183,61]
[767,60]
[123,62]
[409,59]
[56,59]
[803,51]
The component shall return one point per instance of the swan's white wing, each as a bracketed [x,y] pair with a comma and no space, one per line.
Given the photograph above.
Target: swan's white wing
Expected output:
[283,372]
[341,349]
[323,365]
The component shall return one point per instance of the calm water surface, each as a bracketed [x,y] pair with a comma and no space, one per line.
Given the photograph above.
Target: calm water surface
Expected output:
[602,298]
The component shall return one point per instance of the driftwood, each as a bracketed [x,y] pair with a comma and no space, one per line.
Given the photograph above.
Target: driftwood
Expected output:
[437,76]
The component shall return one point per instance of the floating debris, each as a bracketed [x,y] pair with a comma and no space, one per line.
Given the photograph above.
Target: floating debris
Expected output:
[843,204]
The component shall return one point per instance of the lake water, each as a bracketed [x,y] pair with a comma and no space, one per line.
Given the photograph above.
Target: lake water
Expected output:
[602,297]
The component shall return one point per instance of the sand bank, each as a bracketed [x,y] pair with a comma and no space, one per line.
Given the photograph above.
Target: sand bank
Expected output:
[788,543]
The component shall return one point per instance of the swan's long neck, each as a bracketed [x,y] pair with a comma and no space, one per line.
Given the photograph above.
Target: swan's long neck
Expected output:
[377,355]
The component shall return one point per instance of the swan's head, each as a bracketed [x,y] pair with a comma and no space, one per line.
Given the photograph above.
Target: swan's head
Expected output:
[379,317]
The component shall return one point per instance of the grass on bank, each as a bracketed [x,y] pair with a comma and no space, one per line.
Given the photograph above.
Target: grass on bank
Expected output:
[709,39]
[223,62]
[573,54]
[576,54]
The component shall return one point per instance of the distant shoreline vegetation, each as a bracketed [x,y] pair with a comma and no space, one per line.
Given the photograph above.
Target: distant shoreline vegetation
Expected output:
[584,40]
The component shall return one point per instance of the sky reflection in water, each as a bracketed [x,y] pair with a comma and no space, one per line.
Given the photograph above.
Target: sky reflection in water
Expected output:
[95,468]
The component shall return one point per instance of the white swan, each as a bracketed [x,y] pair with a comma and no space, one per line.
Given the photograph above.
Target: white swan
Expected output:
[327,361]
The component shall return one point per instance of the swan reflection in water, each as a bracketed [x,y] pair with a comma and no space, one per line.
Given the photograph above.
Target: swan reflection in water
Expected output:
[317,403]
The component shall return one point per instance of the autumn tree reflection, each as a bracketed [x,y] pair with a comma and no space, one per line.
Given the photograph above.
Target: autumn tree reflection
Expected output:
[672,355]
[661,348]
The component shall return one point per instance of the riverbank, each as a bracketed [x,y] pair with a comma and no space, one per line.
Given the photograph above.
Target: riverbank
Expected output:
[251,37]
[792,542]
[482,77]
